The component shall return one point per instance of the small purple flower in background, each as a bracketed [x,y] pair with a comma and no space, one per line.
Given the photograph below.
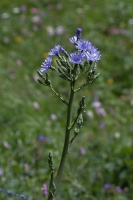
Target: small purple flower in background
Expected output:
[96,104]
[46,64]
[41,138]
[101,111]
[102,124]
[118,189]
[78,33]
[111,110]
[53,117]
[76,58]
[36,19]
[36,105]
[82,150]
[6,144]
[23,8]
[45,189]
[36,77]
[35,10]
[106,186]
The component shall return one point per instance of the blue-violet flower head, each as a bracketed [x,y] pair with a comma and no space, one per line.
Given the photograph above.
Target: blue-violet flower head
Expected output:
[78,33]
[77,57]
[46,64]
[93,54]
[84,45]
[55,50]
[106,186]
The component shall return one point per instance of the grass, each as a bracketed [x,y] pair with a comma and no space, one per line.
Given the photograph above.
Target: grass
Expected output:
[103,152]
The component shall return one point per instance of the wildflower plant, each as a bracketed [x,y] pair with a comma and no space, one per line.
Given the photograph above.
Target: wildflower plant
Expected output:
[80,64]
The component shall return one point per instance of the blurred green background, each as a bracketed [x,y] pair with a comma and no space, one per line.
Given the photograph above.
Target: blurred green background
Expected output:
[32,119]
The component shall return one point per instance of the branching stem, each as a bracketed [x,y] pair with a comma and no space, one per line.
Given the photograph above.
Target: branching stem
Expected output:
[63,100]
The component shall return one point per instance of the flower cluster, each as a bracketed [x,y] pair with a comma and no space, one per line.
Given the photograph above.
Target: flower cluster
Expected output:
[85,51]
[91,53]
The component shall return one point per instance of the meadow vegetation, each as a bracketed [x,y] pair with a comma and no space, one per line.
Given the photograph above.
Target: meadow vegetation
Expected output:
[100,162]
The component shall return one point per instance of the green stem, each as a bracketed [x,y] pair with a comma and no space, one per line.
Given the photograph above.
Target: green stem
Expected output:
[63,100]
[50,195]
[67,136]
[51,184]
[66,143]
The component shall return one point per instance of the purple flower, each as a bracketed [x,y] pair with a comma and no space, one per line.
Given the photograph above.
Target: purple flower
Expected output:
[96,104]
[76,58]
[84,45]
[41,138]
[6,144]
[106,186]
[24,8]
[93,54]
[101,111]
[35,10]
[53,116]
[102,124]
[36,105]
[78,33]
[46,64]
[118,189]
[45,189]
[55,50]
[82,150]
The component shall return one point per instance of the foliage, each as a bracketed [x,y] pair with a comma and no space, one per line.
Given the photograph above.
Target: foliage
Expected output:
[102,153]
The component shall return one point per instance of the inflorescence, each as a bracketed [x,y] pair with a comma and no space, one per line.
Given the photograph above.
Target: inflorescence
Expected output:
[85,51]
